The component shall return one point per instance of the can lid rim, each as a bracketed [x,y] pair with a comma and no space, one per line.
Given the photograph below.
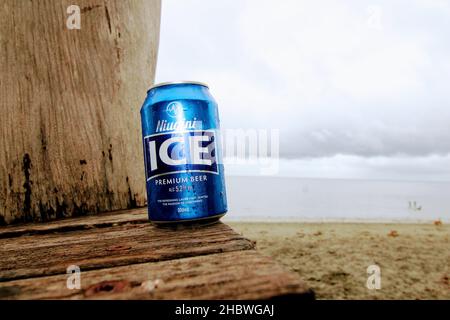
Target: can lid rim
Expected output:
[168,83]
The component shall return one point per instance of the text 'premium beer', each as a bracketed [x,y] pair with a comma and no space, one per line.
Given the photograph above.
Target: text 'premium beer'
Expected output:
[182,154]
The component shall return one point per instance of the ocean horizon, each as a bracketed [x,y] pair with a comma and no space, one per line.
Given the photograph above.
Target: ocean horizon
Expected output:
[253,198]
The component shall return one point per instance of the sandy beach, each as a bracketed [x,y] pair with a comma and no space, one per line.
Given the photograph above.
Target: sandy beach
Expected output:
[333,257]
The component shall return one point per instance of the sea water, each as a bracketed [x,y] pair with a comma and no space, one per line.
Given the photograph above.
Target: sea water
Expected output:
[299,199]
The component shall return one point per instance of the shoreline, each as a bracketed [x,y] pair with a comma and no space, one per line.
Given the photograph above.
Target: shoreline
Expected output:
[227,219]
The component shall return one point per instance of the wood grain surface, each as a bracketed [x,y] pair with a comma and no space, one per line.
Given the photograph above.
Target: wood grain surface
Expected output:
[122,256]
[47,254]
[233,275]
[101,220]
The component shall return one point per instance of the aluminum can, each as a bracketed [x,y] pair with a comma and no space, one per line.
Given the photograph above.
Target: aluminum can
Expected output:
[182,154]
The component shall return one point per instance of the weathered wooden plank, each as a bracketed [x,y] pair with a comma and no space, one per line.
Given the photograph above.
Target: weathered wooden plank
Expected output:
[121,256]
[234,275]
[48,254]
[102,220]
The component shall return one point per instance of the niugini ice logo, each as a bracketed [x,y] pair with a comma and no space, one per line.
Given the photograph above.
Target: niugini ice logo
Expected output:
[181,151]
[174,109]
[164,125]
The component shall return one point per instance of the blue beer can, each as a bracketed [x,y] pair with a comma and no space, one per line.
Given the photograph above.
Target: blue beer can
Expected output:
[182,154]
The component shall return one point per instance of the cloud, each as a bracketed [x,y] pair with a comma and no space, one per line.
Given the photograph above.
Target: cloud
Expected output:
[423,168]
[337,78]
[435,168]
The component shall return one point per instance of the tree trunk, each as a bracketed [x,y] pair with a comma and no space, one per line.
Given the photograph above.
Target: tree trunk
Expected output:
[70,137]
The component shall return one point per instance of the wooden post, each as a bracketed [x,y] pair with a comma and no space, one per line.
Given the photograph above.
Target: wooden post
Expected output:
[70,139]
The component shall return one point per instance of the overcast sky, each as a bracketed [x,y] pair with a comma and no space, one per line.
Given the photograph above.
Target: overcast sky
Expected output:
[352,83]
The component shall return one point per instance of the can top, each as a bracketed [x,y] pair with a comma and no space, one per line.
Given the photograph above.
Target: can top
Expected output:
[162,84]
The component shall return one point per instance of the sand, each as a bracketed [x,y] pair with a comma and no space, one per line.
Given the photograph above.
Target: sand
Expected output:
[333,257]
